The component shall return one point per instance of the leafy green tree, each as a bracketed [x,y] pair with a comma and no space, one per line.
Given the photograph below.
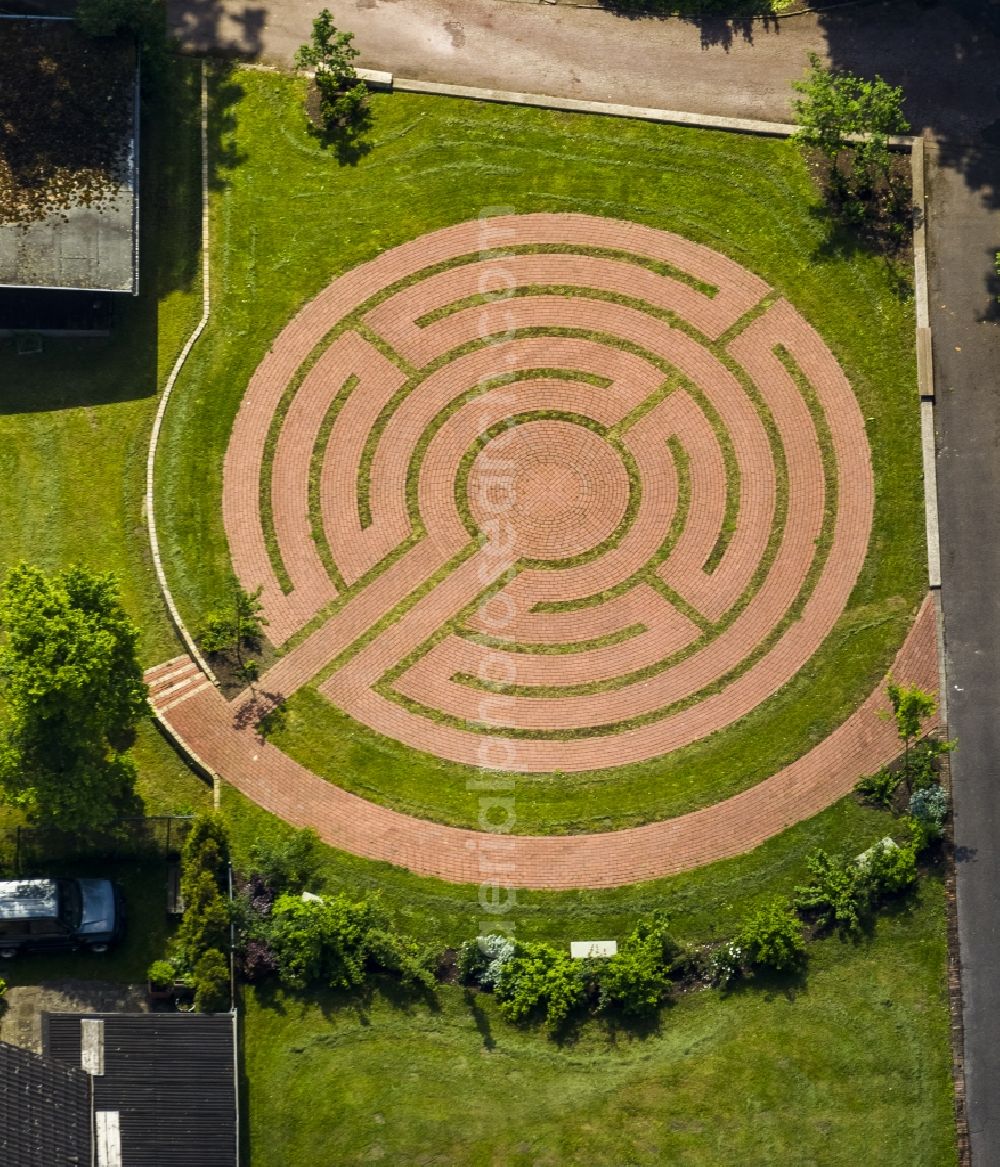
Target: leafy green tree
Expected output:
[239,625]
[331,54]
[837,105]
[910,707]
[71,694]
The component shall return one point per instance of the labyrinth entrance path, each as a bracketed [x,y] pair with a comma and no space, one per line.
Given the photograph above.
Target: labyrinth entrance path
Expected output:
[546,493]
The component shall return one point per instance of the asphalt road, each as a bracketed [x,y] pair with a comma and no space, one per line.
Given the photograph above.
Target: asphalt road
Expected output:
[947,56]
[964,229]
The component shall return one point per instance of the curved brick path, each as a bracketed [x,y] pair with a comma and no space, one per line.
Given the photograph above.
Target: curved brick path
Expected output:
[203,722]
[668,447]
[672,481]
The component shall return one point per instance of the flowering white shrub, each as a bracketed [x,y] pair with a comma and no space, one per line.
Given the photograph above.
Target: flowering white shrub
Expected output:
[930,808]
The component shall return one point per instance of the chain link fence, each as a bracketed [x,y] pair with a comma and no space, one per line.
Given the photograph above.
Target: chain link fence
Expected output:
[24,849]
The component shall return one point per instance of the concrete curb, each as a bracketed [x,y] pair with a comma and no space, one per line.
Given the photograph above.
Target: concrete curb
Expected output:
[206,291]
[925,365]
[605,108]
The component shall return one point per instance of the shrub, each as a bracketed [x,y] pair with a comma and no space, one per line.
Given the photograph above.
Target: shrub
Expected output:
[321,940]
[843,892]
[924,766]
[834,894]
[635,979]
[727,963]
[289,861]
[540,980]
[772,938]
[258,960]
[211,983]
[205,921]
[207,846]
[413,963]
[886,868]
[928,809]
[481,961]
[217,634]
[161,974]
[879,788]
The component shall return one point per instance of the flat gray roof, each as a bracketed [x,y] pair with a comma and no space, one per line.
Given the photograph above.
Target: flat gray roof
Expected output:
[68,217]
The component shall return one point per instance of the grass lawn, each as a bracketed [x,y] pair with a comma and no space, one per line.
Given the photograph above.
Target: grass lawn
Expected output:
[705,904]
[287,218]
[852,1066]
[75,419]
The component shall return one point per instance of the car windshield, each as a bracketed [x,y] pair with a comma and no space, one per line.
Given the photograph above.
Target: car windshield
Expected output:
[70,903]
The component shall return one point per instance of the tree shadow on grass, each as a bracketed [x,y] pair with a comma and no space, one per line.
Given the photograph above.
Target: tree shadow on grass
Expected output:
[480,1019]
[347,143]
[406,999]
[771,984]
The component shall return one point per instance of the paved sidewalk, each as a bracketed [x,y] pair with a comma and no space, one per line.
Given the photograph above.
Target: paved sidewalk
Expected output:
[220,736]
[734,68]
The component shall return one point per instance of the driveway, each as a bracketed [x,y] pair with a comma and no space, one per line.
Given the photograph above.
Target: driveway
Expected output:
[21,1019]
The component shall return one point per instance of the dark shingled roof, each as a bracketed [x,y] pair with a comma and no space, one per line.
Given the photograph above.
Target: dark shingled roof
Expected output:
[170,1076]
[44,1112]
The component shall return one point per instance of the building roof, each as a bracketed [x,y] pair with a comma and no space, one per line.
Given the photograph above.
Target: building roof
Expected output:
[44,1112]
[170,1079]
[68,158]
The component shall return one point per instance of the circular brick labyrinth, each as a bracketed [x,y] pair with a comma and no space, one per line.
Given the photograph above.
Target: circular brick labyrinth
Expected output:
[548,492]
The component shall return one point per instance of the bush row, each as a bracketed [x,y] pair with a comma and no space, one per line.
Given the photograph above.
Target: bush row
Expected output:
[536,982]
[196,956]
[332,940]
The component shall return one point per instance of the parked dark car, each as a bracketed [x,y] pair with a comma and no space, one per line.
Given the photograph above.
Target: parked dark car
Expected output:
[39,915]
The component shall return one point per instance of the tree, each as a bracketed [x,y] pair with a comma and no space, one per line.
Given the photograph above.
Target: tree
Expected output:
[146,20]
[330,54]
[240,625]
[71,693]
[910,706]
[836,105]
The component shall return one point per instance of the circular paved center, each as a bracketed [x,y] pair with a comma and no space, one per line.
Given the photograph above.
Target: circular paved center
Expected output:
[553,488]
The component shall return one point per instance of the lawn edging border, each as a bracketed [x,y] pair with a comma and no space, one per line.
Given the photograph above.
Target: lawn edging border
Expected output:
[206,306]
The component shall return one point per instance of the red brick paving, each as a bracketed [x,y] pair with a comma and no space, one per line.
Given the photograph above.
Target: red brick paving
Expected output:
[270,778]
[544,488]
[525,511]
